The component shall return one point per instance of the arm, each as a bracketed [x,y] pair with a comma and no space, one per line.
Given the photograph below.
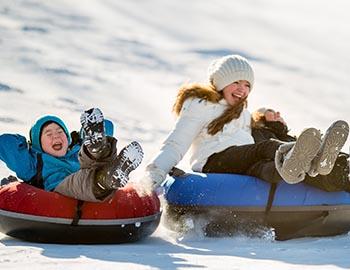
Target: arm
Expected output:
[14,152]
[262,134]
[280,130]
[191,121]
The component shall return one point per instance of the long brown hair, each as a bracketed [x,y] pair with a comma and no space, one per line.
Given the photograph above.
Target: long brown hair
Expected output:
[208,92]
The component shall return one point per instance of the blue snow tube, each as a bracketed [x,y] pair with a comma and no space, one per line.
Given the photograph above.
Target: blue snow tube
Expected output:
[227,201]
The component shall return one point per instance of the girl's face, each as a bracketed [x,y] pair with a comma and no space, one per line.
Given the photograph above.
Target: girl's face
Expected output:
[54,140]
[236,92]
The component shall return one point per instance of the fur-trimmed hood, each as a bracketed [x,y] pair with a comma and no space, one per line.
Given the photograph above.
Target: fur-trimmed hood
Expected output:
[209,93]
[196,90]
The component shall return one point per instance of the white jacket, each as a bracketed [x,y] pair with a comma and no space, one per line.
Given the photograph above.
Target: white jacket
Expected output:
[191,131]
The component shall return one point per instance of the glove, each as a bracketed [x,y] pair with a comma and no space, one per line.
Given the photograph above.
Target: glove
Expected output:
[177,172]
[151,181]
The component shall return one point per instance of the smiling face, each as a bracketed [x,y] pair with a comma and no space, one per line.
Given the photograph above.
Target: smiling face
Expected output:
[54,140]
[236,92]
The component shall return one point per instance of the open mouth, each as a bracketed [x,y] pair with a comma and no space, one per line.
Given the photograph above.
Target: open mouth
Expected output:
[57,146]
[239,96]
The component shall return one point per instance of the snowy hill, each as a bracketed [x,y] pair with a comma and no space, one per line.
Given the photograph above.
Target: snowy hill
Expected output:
[129,58]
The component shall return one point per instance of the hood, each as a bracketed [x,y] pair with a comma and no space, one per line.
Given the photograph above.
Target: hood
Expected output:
[35,131]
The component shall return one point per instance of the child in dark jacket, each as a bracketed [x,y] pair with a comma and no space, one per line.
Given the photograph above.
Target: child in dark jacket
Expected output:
[90,171]
[268,124]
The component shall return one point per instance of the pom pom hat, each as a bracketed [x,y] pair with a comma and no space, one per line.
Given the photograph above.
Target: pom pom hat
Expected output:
[229,69]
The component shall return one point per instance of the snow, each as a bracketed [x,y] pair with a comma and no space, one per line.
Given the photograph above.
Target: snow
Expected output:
[129,58]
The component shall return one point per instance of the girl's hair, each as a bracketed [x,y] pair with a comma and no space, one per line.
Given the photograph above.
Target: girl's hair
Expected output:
[209,93]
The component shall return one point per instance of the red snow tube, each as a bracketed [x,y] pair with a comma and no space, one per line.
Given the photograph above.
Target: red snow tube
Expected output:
[33,214]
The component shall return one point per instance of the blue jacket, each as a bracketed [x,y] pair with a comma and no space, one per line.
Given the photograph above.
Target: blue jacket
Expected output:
[22,158]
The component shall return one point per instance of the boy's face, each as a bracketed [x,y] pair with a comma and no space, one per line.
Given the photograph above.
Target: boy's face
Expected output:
[54,140]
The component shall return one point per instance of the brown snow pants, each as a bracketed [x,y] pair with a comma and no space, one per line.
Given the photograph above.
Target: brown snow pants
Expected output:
[82,185]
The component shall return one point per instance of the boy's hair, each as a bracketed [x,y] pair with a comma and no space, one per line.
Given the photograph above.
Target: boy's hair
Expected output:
[36,130]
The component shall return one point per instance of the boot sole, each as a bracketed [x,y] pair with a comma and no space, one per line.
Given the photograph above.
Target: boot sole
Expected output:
[304,151]
[93,139]
[130,157]
[332,143]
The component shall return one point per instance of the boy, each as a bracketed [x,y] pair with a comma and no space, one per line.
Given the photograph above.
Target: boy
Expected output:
[89,172]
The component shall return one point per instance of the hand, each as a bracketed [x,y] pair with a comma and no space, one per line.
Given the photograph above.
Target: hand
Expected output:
[150,182]
[177,172]
[272,116]
[144,186]
[280,119]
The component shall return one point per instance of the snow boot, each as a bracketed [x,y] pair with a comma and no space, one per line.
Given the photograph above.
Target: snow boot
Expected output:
[116,174]
[92,122]
[293,160]
[332,142]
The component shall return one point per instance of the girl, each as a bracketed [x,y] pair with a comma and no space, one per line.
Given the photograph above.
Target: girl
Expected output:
[214,122]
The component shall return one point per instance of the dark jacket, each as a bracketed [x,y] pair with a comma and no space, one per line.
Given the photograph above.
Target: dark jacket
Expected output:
[272,130]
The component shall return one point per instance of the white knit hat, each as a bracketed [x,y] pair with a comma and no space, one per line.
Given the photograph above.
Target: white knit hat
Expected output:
[229,69]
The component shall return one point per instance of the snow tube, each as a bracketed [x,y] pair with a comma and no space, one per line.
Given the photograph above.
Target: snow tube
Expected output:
[232,203]
[35,215]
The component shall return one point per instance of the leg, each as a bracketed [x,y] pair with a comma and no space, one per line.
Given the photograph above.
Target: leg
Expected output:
[84,184]
[291,165]
[265,170]
[337,180]
[239,159]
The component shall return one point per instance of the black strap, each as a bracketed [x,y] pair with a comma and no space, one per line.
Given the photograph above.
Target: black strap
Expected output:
[78,212]
[271,197]
[298,231]
[37,179]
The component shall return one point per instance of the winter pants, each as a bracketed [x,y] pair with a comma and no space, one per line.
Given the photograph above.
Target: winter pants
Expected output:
[337,180]
[82,185]
[250,159]
[258,160]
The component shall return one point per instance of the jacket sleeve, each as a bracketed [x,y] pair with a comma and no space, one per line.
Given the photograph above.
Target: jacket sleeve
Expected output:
[262,134]
[191,121]
[280,130]
[272,130]
[247,121]
[14,152]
